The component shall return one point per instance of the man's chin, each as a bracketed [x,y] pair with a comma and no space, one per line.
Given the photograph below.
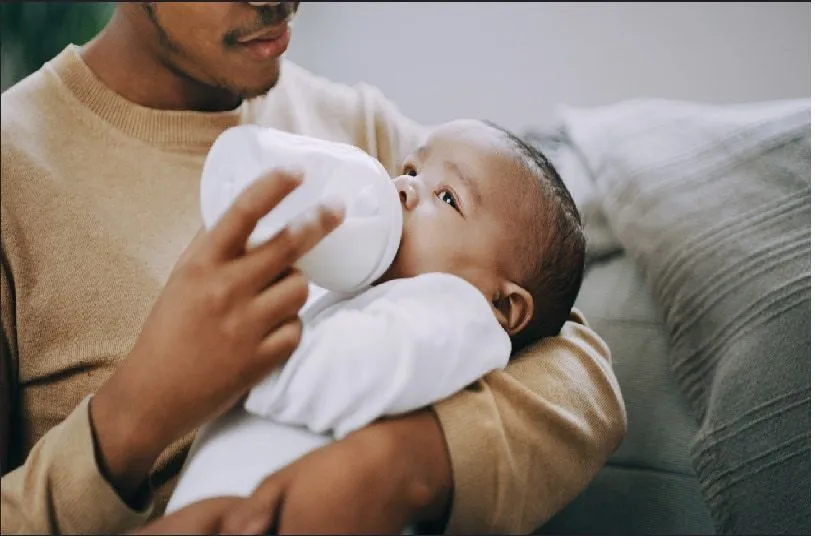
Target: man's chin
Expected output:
[260,89]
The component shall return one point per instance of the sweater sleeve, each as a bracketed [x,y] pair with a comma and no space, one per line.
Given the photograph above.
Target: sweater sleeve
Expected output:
[60,490]
[525,441]
[397,347]
[8,362]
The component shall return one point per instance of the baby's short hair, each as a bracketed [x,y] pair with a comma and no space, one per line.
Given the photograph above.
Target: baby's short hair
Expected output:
[553,252]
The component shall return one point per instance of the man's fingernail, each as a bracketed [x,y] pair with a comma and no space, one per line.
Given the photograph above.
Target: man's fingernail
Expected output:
[293,175]
[244,524]
[256,524]
[335,205]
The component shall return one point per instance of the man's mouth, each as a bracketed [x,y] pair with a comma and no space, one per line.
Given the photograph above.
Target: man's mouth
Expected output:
[267,34]
[268,43]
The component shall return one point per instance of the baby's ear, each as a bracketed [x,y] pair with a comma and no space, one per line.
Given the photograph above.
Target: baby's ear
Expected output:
[514,307]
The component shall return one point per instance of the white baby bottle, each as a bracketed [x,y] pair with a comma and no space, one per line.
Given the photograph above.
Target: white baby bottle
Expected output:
[355,254]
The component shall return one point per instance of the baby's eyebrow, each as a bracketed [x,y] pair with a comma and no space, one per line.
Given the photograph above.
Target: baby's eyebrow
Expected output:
[472,186]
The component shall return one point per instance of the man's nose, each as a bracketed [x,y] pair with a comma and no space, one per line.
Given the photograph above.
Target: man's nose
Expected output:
[408,192]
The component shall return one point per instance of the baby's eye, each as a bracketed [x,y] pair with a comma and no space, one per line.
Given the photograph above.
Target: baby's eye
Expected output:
[447,197]
[408,170]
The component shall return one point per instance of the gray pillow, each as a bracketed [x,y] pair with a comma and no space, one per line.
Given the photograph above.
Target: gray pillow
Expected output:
[713,204]
[554,143]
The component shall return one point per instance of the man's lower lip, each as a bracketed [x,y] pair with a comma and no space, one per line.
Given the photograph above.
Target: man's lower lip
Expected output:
[269,48]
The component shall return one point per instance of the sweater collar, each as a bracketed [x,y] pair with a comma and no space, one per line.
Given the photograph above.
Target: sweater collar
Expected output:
[179,129]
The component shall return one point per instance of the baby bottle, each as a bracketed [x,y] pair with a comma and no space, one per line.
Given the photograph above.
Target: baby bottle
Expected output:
[352,256]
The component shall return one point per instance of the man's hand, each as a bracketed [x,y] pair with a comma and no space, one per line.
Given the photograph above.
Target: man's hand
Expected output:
[200,518]
[226,317]
[375,481]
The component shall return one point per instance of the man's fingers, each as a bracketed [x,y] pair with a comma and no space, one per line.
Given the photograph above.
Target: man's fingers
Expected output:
[228,237]
[203,517]
[282,300]
[195,245]
[266,262]
[259,513]
[276,348]
[272,352]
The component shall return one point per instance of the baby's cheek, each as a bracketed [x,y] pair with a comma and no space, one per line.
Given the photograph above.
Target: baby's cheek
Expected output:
[399,266]
[425,248]
[404,265]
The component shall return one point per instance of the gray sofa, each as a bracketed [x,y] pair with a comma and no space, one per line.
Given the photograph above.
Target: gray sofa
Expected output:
[698,220]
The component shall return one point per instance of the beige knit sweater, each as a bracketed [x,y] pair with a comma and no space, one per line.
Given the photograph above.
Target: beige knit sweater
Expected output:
[99,198]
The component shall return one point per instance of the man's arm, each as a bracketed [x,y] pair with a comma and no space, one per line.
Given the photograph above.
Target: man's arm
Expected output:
[59,488]
[7,399]
[525,441]
[500,457]
[63,460]
[213,333]
[8,363]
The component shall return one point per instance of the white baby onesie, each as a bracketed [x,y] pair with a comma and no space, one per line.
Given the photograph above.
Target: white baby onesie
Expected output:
[393,348]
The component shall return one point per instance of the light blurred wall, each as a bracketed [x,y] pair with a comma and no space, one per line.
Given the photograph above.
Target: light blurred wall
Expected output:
[513,62]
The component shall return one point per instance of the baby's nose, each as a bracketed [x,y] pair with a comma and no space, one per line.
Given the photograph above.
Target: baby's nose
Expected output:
[407,192]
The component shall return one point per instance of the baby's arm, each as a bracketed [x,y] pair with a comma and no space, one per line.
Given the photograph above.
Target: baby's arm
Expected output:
[421,340]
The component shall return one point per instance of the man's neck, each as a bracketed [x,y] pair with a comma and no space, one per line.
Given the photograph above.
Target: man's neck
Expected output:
[120,61]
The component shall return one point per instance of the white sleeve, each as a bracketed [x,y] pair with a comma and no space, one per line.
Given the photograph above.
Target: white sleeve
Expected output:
[422,340]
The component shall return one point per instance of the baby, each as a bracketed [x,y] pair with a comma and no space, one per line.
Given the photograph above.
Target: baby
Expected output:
[491,259]
[506,224]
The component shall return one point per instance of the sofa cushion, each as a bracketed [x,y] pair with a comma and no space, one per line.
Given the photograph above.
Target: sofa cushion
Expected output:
[713,205]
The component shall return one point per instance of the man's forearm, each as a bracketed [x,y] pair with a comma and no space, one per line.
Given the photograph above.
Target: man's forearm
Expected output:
[526,440]
[123,456]
[384,477]
[414,448]
[58,488]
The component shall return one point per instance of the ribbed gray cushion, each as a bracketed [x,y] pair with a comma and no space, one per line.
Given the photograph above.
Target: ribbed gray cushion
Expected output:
[713,204]
[660,425]
[634,502]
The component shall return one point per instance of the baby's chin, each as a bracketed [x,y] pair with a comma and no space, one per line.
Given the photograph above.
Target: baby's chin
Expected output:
[391,274]
[397,269]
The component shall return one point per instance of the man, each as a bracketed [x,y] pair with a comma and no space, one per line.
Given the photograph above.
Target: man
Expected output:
[102,154]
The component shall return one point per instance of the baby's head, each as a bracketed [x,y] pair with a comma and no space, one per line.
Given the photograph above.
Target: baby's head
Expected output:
[480,203]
